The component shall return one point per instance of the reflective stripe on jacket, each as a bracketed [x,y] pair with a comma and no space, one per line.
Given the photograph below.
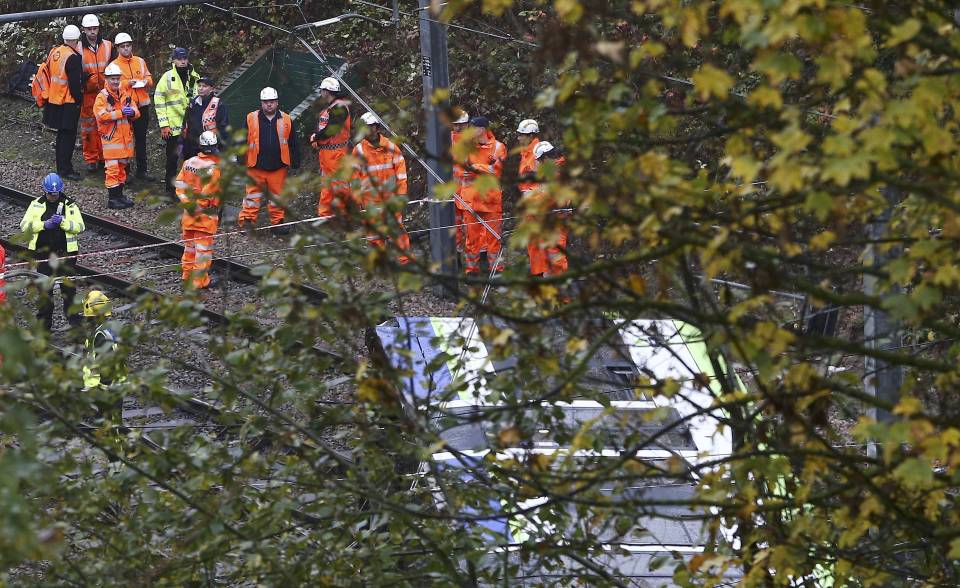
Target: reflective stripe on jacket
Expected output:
[135,68]
[209,117]
[486,159]
[171,99]
[380,170]
[528,165]
[284,126]
[116,132]
[59,92]
[341,139]
[198,184]
[94,62]
[72,225]
[91,372]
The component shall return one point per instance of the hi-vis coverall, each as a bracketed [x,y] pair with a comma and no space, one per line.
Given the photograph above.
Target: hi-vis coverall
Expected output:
[116,133]
[198,187]
[486,159]
[381,174]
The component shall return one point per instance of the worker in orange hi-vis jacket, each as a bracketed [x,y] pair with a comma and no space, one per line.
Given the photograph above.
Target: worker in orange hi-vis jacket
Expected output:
[547,250]
[97,54]
[271,151]
[115,110]
[3,270]
[457,128]
[332,142]
[198,188]
[381,174]
[486,159]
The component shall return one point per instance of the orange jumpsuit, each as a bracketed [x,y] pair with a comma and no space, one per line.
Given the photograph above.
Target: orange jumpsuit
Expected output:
[135,68]
[116,133]
[198,187]
[3,269]
[282,155]
[381,174]
[461,229]
[95,60]
[332,140]
[547,251]
[486,159]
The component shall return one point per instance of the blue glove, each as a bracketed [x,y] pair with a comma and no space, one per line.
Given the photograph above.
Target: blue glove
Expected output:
[127,111]
[57,219]
[49,224]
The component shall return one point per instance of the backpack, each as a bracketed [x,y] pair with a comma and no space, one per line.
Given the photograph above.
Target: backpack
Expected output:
[40,86]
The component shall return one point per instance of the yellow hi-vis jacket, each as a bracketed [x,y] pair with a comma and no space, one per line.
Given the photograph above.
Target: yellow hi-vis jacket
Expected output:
[72,224]
[171,99]
[91,374]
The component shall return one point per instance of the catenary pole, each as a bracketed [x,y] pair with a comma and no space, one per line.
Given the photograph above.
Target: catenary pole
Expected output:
[436,80]
[881,379]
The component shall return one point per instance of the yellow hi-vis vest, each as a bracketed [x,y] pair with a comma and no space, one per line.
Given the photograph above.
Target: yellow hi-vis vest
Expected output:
[171,99]
[72,224]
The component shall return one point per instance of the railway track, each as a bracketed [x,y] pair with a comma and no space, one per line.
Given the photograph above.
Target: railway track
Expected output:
[153,270]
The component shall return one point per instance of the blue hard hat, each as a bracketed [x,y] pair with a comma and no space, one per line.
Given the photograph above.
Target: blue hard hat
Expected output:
[52,183]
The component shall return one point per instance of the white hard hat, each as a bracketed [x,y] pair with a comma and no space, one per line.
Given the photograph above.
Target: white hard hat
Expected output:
[71,33]
[541,148]
[269,93]
[370,118]
[528,126]
[464,118]
[112,70]
[208,138]
[90,20]
[332,84]
[123,38]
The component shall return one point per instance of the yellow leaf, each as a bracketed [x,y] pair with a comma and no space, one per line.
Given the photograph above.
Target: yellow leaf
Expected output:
[766,96]
[569,10]
[710,81]
[903,32]
[822,241]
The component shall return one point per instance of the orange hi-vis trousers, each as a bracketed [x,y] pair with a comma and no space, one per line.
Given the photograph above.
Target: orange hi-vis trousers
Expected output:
[92,147]
[479,239]
[263,182]
[549,260]
[115,173]
[401,241]
[334,192]
[197,257]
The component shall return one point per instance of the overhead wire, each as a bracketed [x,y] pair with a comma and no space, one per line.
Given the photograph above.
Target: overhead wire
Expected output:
[335,74]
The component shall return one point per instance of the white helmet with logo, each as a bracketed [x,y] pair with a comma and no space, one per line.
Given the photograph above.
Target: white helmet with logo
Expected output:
[123,38]
[208,139]
[370,118]
[112,70]
[331,84]
[71,33]
[528,127]
[542,148]
[90,20]
[269,93]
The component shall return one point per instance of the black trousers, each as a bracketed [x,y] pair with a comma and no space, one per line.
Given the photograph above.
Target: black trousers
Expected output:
[66,141]
[173,160]
[140,139]
[190,149]
[45,308]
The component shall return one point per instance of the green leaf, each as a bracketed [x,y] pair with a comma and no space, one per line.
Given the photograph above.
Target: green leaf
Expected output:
[712,82]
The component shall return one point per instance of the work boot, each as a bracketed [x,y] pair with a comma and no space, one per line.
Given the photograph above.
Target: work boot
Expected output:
[90,168]
[142,174]
[281,231]
[73,176]
[116,200]
[126,199]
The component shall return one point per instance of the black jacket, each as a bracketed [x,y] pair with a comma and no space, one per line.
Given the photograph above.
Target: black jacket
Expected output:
[195,119]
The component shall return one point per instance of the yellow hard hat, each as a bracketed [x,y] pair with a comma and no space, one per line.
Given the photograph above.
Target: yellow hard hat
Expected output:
[96,304]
